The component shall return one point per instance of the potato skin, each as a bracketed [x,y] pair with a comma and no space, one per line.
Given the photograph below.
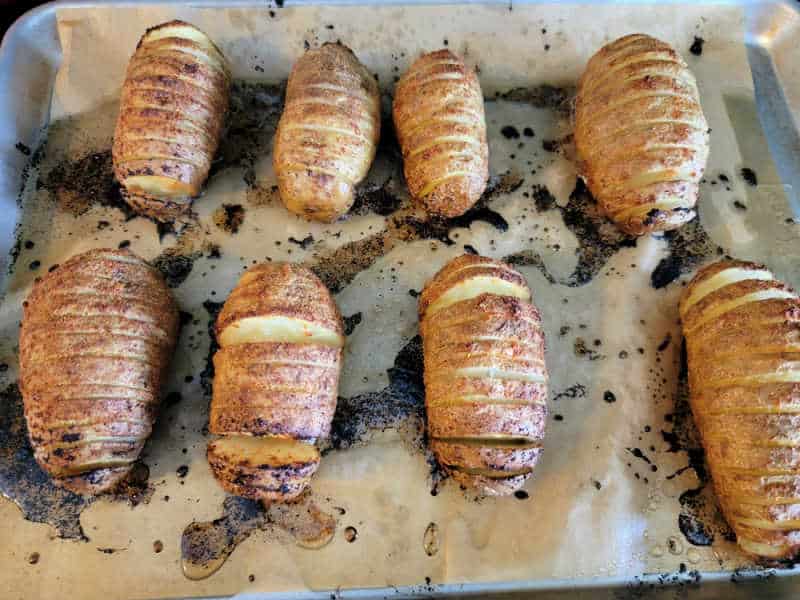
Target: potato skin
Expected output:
[266,482]
[438,99]
[172,111]
[96,338]
[486,425]
[274,389]
[328,132]
[641,134]
[747,419]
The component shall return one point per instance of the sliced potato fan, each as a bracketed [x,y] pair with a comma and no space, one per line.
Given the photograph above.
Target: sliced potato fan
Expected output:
[328,132]
[97,335]
[276,380]
[485,375]
[641,134]
[439,119]
[742,329]
[172,112]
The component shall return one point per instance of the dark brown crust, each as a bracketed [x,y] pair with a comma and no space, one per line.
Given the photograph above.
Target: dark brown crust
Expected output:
[172,112]
[104,319]
[268,483]
[642,117]
[747,422]
[436,90]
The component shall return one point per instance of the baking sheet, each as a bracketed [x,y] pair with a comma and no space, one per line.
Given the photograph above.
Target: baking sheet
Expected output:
[609,493]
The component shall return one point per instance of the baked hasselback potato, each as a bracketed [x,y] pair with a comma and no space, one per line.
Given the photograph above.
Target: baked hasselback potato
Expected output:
[327,134]
[97,335]
[641,135]
[171,115]
[485,374]
[275,383]
[440,123]
[742,329]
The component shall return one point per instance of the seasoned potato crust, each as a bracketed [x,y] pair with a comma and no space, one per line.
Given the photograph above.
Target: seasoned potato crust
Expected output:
[327,134]
[742,329]
[276,380]
[97,336]
[440,123]
[641,134]
[172,112]
[485,375]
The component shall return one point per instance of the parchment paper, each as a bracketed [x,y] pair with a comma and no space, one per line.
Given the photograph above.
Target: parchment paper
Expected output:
[595,508]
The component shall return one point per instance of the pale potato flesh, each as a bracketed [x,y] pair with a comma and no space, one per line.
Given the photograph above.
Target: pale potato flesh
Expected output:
[485,376]
[476,286]
[742,337]
[278,329]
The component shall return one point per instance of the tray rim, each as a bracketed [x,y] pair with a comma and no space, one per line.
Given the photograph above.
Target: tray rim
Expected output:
[772,110]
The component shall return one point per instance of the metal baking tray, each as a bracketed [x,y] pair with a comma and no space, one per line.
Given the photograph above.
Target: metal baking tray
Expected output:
[30,59]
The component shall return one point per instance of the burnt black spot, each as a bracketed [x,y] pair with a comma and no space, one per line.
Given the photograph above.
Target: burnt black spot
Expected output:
[229,217]
[175,268]
[574,391]
[23,148]
[543,198]
[550,145]
[29,245]
[739,205]
[304,243]
[608,396]
[749,176]
[528,132]
[521,495]
[351,322]
[124,244]
[70,437]
[470,249]
[665,342]
[697,46]
[688,247]
[182,471]
[510,132]
[172,399]
[35,264]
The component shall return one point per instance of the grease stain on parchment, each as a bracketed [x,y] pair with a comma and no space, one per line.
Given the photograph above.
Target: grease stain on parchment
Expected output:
[205,546]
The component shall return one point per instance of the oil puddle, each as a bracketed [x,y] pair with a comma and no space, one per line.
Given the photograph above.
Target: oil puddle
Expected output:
[205,546]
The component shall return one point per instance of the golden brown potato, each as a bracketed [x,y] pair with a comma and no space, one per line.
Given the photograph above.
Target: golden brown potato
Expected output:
[97,336]
[641,135]
[485,375]
[275,383]
[171,115]
[440,124]
[742,329]
[327,134]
